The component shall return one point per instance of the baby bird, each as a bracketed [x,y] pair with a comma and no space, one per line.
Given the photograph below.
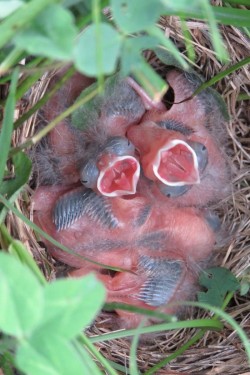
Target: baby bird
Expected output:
[62,156]
[186,158]
[158,245]
[93,199]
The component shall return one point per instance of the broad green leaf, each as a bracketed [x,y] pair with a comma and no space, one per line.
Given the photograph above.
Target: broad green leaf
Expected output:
[169,45]
[52,34]
[21,298]
[69,3]
[48,354]
[147,12]
[97,50]
[131,52]
[71,304]
[8,7]
[22,168]
[218,281]
[22,19]
[7,126]
[168,58]
[244,288]
[180,5]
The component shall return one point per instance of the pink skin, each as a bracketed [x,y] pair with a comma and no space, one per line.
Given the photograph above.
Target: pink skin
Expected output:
[189,239]
[181,233]
[69,154]
[183,166]
[207,129]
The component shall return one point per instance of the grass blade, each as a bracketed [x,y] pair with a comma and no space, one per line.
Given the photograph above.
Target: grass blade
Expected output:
[7,127]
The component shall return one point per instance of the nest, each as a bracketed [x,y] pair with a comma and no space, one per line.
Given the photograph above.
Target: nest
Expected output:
[217,352]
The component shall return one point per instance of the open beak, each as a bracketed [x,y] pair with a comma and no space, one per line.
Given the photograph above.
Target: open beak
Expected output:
[120,177]
[176,164]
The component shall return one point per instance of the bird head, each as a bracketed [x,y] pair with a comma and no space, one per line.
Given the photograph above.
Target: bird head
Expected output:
[114,171]
[166,155]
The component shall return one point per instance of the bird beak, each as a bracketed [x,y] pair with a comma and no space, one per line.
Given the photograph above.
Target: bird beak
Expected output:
[176,164]
[120,177]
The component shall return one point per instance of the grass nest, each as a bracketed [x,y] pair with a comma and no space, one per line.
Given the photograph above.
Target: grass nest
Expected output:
[217,352]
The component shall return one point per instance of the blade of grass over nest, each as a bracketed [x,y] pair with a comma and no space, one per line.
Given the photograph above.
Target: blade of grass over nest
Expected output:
[7,126]
[21,18]
[215,34]
[177,352]
[188,40]
[95,352]
[37,137]
[223,15]
[13,58]
[45,98]
[120,368]
[243,96]
[96,16]
[132,354]
[153,84]
[140,310]
[22,169]
[221,75]
[17,249]
[223,315]
[51,239]
[239,2]
[88,361]
[210,324]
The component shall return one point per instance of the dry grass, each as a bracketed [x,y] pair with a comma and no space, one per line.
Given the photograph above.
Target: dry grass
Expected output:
[216,353]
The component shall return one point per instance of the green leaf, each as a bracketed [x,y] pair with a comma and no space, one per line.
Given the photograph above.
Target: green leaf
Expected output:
[21,19]
[7,126]
[8,7]
[147,12]
[169,45]
[168,58]
[131,53]
[52,34]
[244,288]
[22,168]
[218,281]
[48,354]
[21,298]
[97,50]
[71,304]
[181,5]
